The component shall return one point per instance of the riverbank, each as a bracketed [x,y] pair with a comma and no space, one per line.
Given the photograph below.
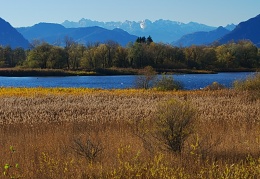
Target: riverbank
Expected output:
[21,72]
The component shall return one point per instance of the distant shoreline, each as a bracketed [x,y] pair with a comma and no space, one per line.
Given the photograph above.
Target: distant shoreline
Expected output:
[17,72]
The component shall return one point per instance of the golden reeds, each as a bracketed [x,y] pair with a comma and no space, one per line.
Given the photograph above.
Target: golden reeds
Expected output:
[43,124]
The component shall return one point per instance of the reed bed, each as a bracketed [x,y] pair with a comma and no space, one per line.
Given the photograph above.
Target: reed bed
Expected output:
[44,127]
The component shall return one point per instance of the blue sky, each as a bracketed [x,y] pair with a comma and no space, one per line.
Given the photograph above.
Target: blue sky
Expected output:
[20,13]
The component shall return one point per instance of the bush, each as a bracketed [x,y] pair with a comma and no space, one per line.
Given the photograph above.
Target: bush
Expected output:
[174,124]
[167,83]
[214,86]
[89,149]
[251,85]
[146,78]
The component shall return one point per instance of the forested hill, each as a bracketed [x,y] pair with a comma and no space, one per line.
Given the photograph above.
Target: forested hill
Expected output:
[248,30]
[56,33]
[10,37]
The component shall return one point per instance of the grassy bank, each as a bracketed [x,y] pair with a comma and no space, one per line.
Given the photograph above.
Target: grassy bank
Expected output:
[20,72]
[88,133]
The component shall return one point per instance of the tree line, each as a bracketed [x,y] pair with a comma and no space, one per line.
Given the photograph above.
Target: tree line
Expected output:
[143,52]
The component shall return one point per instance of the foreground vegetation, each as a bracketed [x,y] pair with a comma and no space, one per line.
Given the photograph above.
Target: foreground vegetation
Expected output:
[91,133]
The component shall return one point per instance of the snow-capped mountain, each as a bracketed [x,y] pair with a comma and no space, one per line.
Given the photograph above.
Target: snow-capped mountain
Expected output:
[160,30]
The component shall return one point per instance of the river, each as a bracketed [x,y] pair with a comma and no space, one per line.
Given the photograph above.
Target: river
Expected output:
[189,81]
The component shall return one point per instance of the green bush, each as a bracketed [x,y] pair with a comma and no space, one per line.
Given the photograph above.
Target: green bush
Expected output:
[174,124]
[167,83]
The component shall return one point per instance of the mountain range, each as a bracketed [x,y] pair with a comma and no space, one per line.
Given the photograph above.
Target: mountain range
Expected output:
[161,31]
[10,37]
[164,31]
[247,30]
[201,38]
[56,33]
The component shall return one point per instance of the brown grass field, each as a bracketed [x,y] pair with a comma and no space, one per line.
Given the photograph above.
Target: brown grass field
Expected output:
[84,133]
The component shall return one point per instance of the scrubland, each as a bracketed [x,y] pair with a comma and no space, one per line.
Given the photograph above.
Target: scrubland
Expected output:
[92,133]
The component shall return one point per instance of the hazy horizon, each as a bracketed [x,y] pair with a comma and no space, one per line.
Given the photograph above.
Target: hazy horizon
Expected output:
[212,13]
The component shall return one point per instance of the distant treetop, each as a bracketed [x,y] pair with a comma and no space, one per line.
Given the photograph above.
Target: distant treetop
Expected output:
[145,40]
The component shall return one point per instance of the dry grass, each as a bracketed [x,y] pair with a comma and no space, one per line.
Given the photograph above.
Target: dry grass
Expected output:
[43,124]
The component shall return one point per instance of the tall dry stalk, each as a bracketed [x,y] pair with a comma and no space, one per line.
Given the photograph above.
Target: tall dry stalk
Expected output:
[42,126]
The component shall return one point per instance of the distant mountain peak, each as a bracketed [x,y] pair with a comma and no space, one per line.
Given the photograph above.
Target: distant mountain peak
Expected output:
[201,38]
[230,27]
[142,24]
[246,30]
[220,27]
[49,25]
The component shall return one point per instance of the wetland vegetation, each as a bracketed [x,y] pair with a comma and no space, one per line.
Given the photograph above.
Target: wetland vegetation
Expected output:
[93,133]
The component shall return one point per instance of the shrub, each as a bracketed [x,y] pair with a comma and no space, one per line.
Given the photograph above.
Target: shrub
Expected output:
[174,124]
[251,85]
[146,79]
[167,83]
[89,150]
[214,86]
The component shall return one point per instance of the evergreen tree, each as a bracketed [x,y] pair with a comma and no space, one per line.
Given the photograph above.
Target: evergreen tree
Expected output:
[149,40]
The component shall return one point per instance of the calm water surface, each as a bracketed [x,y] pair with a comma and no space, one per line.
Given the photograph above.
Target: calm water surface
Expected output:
[190,81]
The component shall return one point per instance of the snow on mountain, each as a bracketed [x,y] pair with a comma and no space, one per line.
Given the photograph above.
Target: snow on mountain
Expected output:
[160,30]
